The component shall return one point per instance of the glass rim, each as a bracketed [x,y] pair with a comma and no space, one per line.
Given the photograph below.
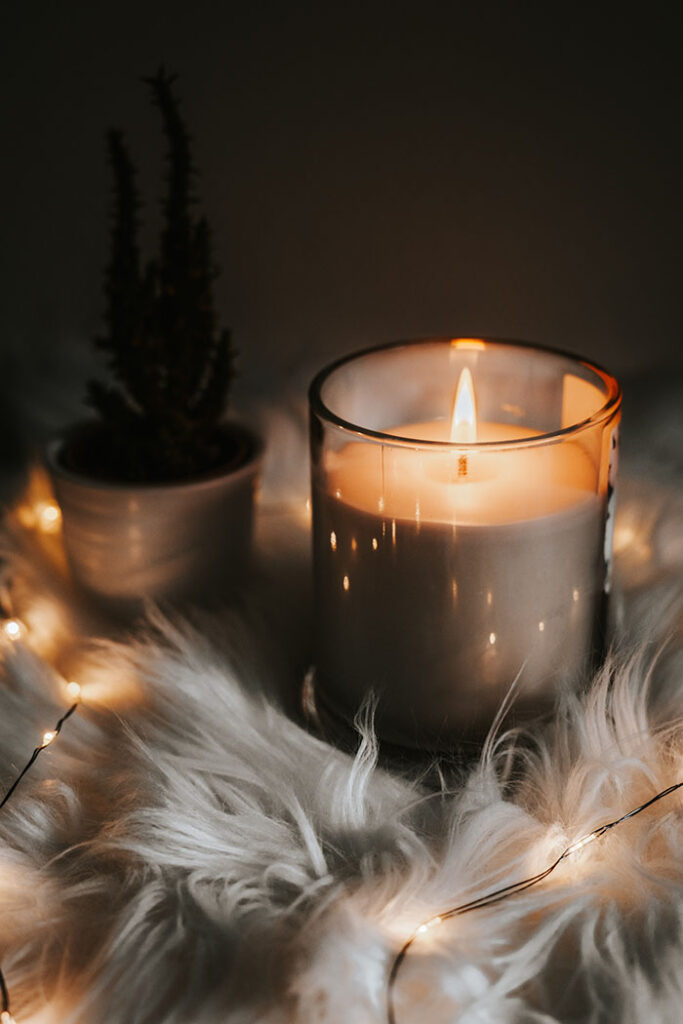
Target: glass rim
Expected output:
[605,412]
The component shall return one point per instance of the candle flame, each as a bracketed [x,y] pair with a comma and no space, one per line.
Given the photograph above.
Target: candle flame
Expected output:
[464,419]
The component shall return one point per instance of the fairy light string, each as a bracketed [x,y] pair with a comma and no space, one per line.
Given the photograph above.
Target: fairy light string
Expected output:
[15,630]
[506,891]
[5,1016]
[46,519]
[48,737]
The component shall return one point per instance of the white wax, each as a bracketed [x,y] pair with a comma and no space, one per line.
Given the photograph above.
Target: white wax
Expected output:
[440,575]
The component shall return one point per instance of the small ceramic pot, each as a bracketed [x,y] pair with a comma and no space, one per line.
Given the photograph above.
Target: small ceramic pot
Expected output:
[180,541]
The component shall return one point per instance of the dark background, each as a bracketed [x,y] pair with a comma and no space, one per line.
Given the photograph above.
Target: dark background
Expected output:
[370,172]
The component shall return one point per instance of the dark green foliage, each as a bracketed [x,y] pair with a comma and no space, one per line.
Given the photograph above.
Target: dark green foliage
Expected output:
[171,367]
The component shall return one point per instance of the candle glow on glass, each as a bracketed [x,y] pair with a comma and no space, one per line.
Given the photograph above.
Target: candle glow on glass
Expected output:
[440,460]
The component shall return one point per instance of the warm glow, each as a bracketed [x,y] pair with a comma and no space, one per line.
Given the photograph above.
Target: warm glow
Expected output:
[45,516]
[464,419]
[346,583]
[47,625]
[432,923]
[514,410]
[48,516]
[73,690]
[471,343]
[48,738]
[625,535]
[302,512]
[106,685]
[27,517]
[13,629]
[580,843]
[53,1013]
[632,538]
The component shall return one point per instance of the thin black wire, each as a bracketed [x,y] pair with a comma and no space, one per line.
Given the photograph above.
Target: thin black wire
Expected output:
[34,756]
[4,994]
[498,895]
[487,900]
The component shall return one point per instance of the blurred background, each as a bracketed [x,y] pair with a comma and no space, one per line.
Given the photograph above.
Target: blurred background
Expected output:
[370,172]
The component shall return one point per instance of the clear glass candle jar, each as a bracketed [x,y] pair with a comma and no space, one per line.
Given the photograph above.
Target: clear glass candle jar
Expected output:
[459,546]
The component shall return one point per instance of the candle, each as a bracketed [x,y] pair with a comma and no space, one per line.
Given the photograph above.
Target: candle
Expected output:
[460,548]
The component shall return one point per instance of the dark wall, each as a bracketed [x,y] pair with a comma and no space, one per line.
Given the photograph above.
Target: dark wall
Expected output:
[370,171]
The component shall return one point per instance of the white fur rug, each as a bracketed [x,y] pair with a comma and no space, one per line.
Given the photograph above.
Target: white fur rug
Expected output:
[185,853]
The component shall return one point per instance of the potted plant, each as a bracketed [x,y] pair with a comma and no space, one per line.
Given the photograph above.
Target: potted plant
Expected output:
[157,490]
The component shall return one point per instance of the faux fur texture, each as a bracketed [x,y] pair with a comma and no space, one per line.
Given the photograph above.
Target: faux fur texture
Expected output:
[187,852]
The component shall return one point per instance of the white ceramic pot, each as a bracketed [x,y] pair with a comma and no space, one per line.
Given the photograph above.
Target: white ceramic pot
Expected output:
[176,541]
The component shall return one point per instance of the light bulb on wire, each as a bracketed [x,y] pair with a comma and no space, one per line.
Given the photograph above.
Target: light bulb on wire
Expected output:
[73,690]
[498,895]
[14,630]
